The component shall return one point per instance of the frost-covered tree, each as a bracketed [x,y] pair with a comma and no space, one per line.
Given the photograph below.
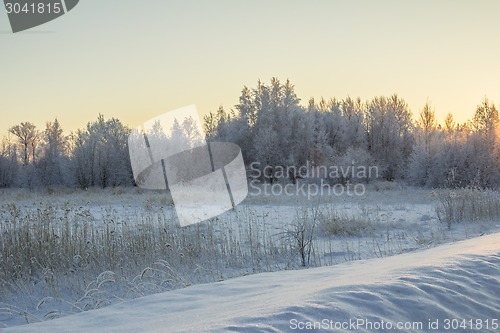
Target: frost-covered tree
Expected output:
[264,124]
[449,124]
[9,166]
[266,150]
[100,155]
[389,134]
[318,133]
[320,151]
[191,132]
[484,165]
[427,125]
[28,137]
[353,111]
[457,155]
[216,126]
[424,154]
[54,161]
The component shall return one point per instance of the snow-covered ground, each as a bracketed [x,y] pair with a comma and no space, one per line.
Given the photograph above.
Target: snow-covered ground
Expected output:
[455,285]
[103,247]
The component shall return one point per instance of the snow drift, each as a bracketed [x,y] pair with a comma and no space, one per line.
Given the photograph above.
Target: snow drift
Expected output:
[455,284]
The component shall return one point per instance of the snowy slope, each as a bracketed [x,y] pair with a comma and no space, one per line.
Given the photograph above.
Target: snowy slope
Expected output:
[454,281]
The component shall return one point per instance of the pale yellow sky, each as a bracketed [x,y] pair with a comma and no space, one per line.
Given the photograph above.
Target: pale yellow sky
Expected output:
[137,59]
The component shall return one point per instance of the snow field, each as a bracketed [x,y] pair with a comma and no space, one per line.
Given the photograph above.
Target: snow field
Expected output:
[68,252]
[454,284]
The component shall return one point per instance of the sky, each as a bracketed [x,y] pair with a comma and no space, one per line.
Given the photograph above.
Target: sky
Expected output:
[135,60]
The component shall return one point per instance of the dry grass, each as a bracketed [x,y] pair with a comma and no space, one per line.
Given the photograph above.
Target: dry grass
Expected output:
[57,260]
[468,206]
[333,223]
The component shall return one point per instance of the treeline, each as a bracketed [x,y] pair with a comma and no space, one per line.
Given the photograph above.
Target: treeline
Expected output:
[94,156]
[274,129]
